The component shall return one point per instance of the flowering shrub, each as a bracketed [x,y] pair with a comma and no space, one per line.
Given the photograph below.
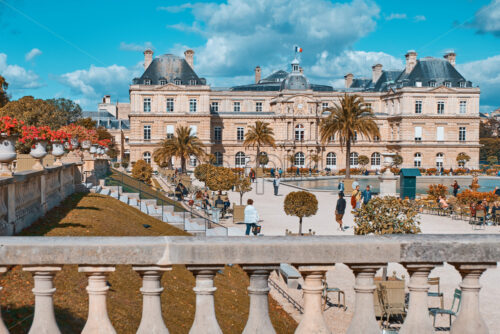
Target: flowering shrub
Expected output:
[478,171]
[437,190]
[422,170]
[431,171]
[469,196]
[10,126]
[460,171]
[59,136]
[32,134]
[104,142]
[354,171]
[491,171]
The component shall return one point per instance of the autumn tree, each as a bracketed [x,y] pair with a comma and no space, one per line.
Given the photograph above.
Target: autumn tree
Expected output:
[70,111]
[201,172]
[242,186]
[220,179]
[300,204]
[87,123]
[142,171]
[4,97]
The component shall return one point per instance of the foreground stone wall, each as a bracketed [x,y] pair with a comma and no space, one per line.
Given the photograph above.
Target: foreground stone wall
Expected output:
[28,195]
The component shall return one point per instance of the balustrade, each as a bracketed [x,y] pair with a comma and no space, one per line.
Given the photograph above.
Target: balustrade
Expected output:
[313,256]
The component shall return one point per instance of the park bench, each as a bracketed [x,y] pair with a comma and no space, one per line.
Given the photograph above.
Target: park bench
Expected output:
[290,275]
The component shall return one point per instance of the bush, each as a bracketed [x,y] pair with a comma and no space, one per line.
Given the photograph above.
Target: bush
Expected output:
[491,171]
[354,171]
[201,171]
[387,215]
[460,171]
[437,190]
[142,171]
[422,171]
[469,196]
[395,170]
[220,179]
[431,171]
[300,204]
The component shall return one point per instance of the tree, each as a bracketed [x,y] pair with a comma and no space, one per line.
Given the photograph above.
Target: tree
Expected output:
[259,135]
[103,133]
[397,160]
[4,97]
[462,159]
[437,190]
[489,147]
[300,204]
[363,160]
[492,160]
[263,158]
[242,186]
[315,158]
[142,171]
[201,172]
[347,118]
[69,109]
[182,145]
[489,128]
[387,215]
[220,179]
[87,123]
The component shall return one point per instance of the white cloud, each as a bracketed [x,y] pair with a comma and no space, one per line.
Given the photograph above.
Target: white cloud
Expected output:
[18,77]
[136,47]
[487,18]
[419,18]
[32,54]
[396,16]
[176,9]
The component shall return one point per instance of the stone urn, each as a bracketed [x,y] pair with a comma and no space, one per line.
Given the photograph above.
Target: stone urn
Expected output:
[57,152]
[93,149]
[86,144]
[388,181]
[388,160]
[39,151]
[7,154]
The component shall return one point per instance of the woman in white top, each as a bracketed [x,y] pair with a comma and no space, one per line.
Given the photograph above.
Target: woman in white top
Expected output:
[251,216]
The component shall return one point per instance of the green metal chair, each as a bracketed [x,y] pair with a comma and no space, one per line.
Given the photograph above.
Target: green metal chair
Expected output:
[340,296]
[457,298]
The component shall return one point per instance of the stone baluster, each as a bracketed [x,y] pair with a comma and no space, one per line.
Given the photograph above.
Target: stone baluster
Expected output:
[363,320]
[44,320]
[152,319]
[204,317]
[418,319]
[3,328]
[469,319]
[258,318]
[313,321]
[97,321]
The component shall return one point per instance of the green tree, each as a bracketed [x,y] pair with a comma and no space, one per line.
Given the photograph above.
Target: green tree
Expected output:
[242,186]
[142,171]
[4,97]
[462,159]
[397,160]
[87,123]
[489,147]
[363,160]
[347,118]
[70,110]
[259,135]
[492,160]
[300,204]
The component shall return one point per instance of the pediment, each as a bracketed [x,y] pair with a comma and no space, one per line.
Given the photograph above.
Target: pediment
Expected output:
[442,89]
[169,86]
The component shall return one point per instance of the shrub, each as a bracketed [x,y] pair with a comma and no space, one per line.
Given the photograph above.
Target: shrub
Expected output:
[201,171]
[436,190]
[431,171]
[300,204]
[460,171]
[142,171]
[469,196]
[422,170]
[491,171]
[116,165]
[387,215]
[354,171]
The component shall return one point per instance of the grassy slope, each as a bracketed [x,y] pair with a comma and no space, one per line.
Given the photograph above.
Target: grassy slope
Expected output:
[96,215]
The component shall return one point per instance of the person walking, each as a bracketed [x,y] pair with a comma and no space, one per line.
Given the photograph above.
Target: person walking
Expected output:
[356,198]
[252,176]
[251,216]
[340,210]
[272,172]
[455,187]
[276,184]
[280,171]
[341,186]
[367,195]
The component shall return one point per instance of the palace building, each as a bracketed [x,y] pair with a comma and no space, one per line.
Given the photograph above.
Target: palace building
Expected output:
[427,112]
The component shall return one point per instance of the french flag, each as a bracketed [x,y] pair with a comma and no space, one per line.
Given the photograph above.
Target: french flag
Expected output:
[298,49]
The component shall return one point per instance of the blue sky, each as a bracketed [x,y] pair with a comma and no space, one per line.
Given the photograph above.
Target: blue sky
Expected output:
[84,50]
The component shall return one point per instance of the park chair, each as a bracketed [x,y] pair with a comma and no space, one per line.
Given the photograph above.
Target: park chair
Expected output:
[457,212]
[389,308]
[434,281]
[327,300]
[457,298]
[479,219]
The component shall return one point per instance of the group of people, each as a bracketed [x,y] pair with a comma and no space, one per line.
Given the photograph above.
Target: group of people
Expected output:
[358,198]
[181,191]
[490,211]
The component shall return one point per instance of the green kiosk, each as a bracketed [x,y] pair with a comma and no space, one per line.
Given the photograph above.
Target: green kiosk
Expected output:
[408,182]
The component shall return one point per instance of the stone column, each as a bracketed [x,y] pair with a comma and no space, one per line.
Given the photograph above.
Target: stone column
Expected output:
[205,321]
[363,320]
[152,319]
[3,328]
[44,320]
[469,319]
[43,192]
[11,207]
[312,321]
[418,319]
[97,321]
[258,318]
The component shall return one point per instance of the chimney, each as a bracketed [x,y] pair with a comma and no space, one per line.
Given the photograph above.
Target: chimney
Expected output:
[376,72]
[107,99]
[348,79]
[148,58]
[189,55]
[257,74]
[411,60]
[451,57]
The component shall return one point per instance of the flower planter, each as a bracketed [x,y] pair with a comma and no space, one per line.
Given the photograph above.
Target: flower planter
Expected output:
[39,151]
[57,152]
[7,154]
[86,144]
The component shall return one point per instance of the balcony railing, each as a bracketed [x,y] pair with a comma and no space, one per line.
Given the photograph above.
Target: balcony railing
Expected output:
[471,255]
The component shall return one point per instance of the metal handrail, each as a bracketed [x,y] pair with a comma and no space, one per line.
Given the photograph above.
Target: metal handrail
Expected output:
[285,295]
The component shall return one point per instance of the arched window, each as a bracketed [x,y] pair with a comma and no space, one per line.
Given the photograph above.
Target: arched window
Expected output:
[417,160]
[375,159]
[300,160]
[331,160]
[239,160]
[353,159]
[299,132]
[439,160]
[146,156]
[218,158]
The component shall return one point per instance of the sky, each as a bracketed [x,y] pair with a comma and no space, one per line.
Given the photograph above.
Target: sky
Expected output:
[83,50]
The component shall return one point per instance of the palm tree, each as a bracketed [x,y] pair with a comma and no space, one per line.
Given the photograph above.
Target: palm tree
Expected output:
[350,116]
[182,145]
[259,135]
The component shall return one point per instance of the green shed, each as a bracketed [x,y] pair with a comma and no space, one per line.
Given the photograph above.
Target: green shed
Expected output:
[408,182]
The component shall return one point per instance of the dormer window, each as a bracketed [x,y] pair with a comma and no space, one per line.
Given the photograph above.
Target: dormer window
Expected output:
[163,82]
[147,82]
[418,83]
[447,84]
[432,83]
[192,82]
[462,84]
[177,81]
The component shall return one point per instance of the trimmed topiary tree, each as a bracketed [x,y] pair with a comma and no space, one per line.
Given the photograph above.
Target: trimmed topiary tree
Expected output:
[142,171]
[300,204]
[201,172]
[436,190]
[220,179]
[242,186]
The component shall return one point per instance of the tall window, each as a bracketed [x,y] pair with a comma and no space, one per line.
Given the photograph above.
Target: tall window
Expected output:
[240,134]
[331,160]
[440,107]
[214,107]
[170,105]
[218,158]
[147,132]
[462,132]
[147,104]
[163,82]
[418,133]
[236,107]
[355,136]
[440,133]
[417,160]
[353,159]
[170,131]
[146,156]
[192,105]
[439,160]
[375,159]
[218,133]
[418,107]
[300,160]
[299,132]
[463,107]
[239,160]
[258,106]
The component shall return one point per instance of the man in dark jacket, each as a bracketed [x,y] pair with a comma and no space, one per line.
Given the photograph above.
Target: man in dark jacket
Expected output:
[340,210]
